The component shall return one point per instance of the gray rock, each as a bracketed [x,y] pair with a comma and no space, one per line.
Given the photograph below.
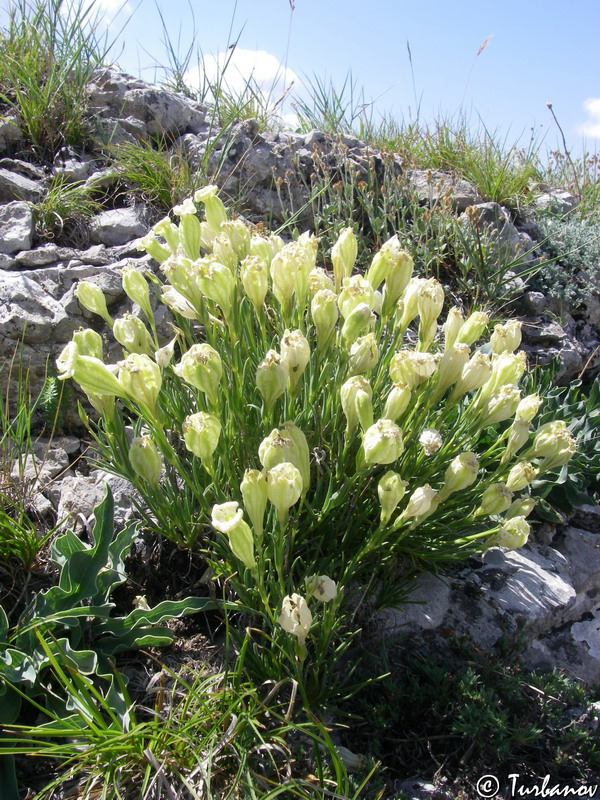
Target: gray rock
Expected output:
[39,257]
[118,226]
[10,133]
[40,469]
[419,789]
[431,186]
[537,332]
[72,167]
[163,112]
[534,302]
[25,168]
[16,227]
[587,518]
[30,314]
[77,496]
[14,186]
[122,492]
[556,201]
[6,262]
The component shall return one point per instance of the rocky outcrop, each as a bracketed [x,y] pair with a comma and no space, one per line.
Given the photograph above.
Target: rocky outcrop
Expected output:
[544,598]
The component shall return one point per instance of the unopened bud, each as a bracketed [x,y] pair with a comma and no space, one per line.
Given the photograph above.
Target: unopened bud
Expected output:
[343,256]
[131,332]
[254,494]
[271,378]
[91,297]
[201,432]
[145,459]
[201,367]
[356,398]
[213,207]
[390,490]
[496,499]
[506,338]
[364,354]
[255,279]
[295,352]
[382,443]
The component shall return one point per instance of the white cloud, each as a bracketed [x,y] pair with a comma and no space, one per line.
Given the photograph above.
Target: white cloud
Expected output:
[101,11]
[591,127]
[241,72]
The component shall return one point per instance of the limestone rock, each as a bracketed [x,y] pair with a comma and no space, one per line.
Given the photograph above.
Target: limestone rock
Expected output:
[432,185]
[118,226]
[556,201]
[14,186]
[16,227]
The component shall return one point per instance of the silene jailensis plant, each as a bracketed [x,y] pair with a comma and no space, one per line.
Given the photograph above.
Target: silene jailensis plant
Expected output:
[309,430]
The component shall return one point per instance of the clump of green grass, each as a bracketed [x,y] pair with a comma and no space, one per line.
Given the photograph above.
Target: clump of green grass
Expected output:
[62,211]
[161,175]
[48,53]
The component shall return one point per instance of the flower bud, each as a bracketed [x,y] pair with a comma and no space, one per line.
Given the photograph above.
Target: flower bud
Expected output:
[410,302]
[299,439]
[506,338]
[305,255]
[131,332]
[283,275]
[164,355]
[343,256]
[522,507]
[461,473]
[284,488]
[295,617]
[518,435]
[201,432]
[94,377]
[142,380]
[254,494]
[398,276]
[136,288]
[154,248]
[450,367]
[390,490]
[382,443]
[325,314]
[177,303]
[145,459]
[318,279]
[238,234]
[202,368]
[430,302]
[430,440]
[255,279]
[553,442]
[379,269]
[411,368]
[182,274]
[261,247]
[473,327]
[207,236]
[170,233]
[295,352]
[227,518]
[507,368]
[89,343]
[453,324]
[364,354]
[356,323]
[286,445]
[501,406]
[189,228]
[397,401]
[528,408]
[496,499]
[224,253]
[91,297]
[356,397]
[420,502]
[213,207]
[322,588]
[475,373]
[356,291]
[271,378]
[216,281]
[513,534]
[521,475]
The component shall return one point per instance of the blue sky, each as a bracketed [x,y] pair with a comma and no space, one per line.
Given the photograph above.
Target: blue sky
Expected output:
[538,51]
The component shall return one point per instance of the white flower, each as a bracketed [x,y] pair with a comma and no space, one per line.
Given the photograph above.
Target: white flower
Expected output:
[322,588]
[430,440]
[295,617]
[226,516]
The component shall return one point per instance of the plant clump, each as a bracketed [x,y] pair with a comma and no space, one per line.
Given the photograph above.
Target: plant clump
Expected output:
[308,422]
